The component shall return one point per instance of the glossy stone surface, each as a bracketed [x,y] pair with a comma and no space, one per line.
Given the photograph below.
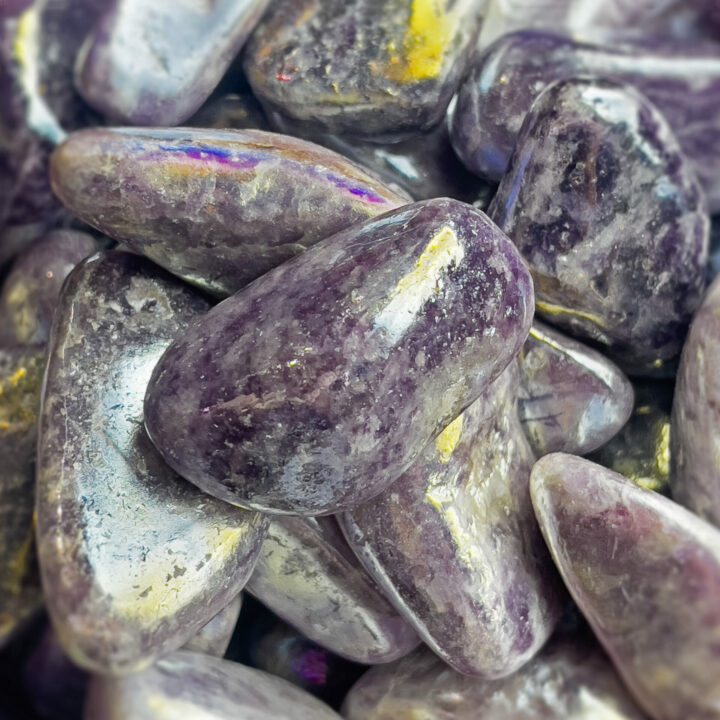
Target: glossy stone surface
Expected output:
[21,371]
[454,544]
[681,78]
[156,63]
[214,638]
[695,470]
[30,293]
[307,574]
[364,68]
[134,559]
[570,679]
[189,685]
[608,215]
[646,574]
[218,208]
[570,397]
[314,388]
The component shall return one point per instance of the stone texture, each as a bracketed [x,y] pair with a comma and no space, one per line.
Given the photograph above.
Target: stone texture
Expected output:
[454,544]
[695,438]
[156,63]
[188,685]
[571,679]
[214,637]
[314,388]
[134,560]
[30,292]
[307,574]
[570,397]
[646,574]
[609,217]
[234,111]
[367,68]
[218,208]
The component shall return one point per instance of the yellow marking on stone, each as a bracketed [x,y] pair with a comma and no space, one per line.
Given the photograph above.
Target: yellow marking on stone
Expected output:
[447,440]
[169,708]
[17,566]
[26,27]
[662,456]
[17,376]
[594,708]
[551,309]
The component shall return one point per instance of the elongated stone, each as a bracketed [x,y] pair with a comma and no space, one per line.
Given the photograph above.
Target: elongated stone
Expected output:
[134,560]
[454,544]
[570,397]
[156,63]
[313,389]
[646,574]
[307,574]
[363,68]
[189,685]
[218,208]
[602,205]
[572,678]
[214,637]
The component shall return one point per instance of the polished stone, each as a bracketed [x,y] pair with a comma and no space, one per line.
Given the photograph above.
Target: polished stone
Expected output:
[134,559]
[314,388]
[214,637]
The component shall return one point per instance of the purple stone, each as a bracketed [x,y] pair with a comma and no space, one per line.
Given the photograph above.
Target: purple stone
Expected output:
[218,208]
[314,388]
[149,63]
[570,398]
[307,574]
[646,574]
[454,543]
[134,560]
[609,217]
[214,637]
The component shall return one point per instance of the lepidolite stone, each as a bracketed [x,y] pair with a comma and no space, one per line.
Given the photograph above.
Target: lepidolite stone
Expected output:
[134,560]
[695,455]
[609,217]
[681,78]
[156,63]
[364,68]
[30,293]
[314,388]
[571,679]
[189,685]
[218,208]
[214,637]
[570,398]
[307,574]
[454,545]
[646,574]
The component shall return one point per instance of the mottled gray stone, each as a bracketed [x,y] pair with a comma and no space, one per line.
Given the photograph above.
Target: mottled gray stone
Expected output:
[214,637]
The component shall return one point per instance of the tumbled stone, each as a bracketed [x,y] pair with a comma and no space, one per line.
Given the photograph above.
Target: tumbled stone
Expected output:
[681,78]
[189,685]
[134,560]
[453,542]
[307,575]
[214,637]
[364,68]
[314,388]
[571,679]
[156,63]
[21,371]
[230,111]
[570,397]
[695,469]
[609,217]
[218,208]
[646,574]
[30,293]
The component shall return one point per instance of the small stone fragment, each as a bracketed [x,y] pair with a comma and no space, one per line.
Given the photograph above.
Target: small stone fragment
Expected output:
[214,638]
[307,574]
[134,560]
[646,574]
[570,397]
[189,685]
[218,208]
[609,217]
[316,387]
[454,545]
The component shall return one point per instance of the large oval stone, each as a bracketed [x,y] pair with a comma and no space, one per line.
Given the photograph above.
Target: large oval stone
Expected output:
[218,208]
[611,220]
[314,388]
[453,542]
[134,559]
[307,574]
[646,574]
